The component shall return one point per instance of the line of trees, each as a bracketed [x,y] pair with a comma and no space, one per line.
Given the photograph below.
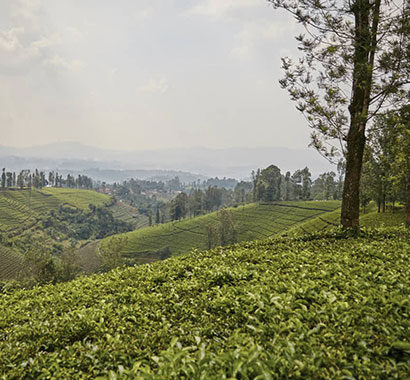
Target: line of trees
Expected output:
[386,169]
[267,185]
[270,185]
[38,179]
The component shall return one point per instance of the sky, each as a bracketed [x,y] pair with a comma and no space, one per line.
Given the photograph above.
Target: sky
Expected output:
[139,75]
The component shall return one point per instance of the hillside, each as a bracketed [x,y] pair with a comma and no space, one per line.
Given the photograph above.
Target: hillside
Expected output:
[129,214]
[323,306]
[22,208]
[370,219]
[26,222]
[10,263]
[253,221]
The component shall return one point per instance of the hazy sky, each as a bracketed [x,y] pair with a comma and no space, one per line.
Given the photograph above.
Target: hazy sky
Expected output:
[136,74]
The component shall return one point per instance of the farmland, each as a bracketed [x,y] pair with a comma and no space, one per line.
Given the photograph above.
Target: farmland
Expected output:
[22,208]
[10,263]
[129,214]
[369,219]
[320,306]
[29,220]
[253,221]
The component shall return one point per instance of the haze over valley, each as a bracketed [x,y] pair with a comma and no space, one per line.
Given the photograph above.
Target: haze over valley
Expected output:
[205,162]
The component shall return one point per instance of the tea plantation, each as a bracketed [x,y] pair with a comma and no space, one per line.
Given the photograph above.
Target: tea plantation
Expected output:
[10,263]
[21,208]
[329,220]
[22,213]
[323,306]
[253,221]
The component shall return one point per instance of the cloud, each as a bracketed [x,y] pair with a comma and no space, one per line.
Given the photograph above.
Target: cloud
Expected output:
[9,40]
[219,8]
[14,54]
[255,34]
[60,63]
[19,51]
[155,86]
[27,11]
[46,41]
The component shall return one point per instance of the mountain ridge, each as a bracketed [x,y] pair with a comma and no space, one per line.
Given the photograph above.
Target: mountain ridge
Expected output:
[237,162]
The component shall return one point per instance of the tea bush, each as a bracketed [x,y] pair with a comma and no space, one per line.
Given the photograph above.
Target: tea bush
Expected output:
[330,306]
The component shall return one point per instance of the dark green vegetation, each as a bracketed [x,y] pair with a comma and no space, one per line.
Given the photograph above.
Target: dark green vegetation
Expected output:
[19,209]
[252,221]
[95,223]
[35,224]
[319,306]
[10,263]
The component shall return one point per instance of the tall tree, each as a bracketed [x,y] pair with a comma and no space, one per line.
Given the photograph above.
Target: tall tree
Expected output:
[355,61]
[9,179]
[179,206]
[195,202]
[390,149]
[3,178]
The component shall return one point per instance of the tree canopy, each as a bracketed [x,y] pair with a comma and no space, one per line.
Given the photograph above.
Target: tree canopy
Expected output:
[354,65]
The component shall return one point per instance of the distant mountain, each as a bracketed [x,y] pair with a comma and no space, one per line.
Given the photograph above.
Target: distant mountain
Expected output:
[229,162]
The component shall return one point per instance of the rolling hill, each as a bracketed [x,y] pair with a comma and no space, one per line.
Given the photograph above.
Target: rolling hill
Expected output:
[21,211]
[10,263]
[320,306]
[253,221]
[22,208]
[332,219]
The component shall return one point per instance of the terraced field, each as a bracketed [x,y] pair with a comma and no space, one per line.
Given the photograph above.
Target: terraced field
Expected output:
[10,263]
[319,223]
[77,198]
[21,208]
[129,214]
[253,221]
[332,219]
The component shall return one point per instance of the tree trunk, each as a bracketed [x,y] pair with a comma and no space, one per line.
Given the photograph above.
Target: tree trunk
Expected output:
[363,62]
[351,190]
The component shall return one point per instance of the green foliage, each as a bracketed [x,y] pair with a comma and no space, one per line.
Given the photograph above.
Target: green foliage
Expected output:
[323,306]
[393,217]
[388,219]
[129,214]
[39,267]
[223,231]
[179,206]
[110,252]
[69,265]
[54,219]
[96,223]
[252,221]
[20,209]
[10,263]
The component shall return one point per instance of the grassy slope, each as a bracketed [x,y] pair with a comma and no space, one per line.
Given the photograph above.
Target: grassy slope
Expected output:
[371,219]
[129,214]
[253,221]
[10,263]
[312,307]
[20,208]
